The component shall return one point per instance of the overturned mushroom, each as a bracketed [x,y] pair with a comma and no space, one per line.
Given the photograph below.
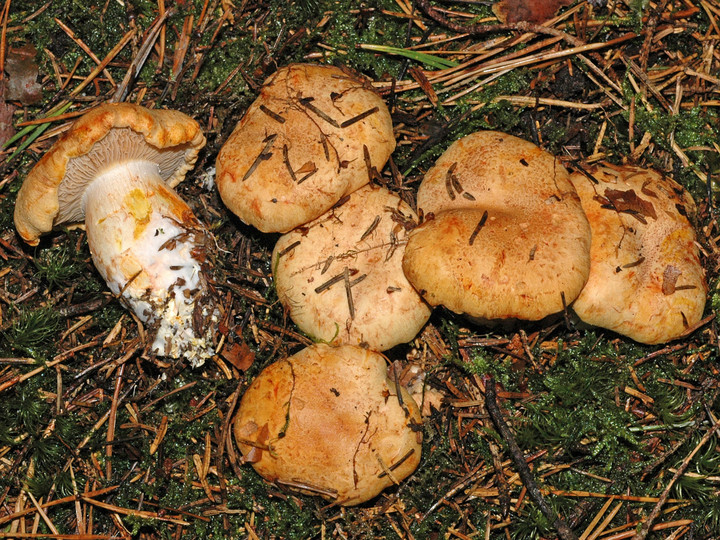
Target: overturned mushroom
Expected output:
[646,281]
[504,234]
[328,421]
[114,169]
[315,134]
[341,275]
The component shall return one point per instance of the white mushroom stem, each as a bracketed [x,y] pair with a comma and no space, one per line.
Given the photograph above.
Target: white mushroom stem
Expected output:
[149,247]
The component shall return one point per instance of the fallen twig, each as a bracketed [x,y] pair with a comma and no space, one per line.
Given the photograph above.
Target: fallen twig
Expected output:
[523,469]
[647,524]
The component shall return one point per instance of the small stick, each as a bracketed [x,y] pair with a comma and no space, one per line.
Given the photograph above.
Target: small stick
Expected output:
[286,160]
[634,264]
[307,103]
[156,29]
[289,248]
[359,117]
[308,175]
[342,201]
[348,292]
[371,170]
[263,156]
[448,182]
[272,114]
[398,463]
[111,422]
[299,484]
[647,524]
[80,43]
[387,470]
[332,281]
[523,469]
[479,226]
[69,498]
[137,513]
[43,515]
[371,228]
[456,184]
[327,264]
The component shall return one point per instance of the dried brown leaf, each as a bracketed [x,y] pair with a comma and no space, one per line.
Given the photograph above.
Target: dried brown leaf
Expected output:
[307,168]
[22,74]
[628,201]
[532,11]
[239,355]
[6,121]
[670,277]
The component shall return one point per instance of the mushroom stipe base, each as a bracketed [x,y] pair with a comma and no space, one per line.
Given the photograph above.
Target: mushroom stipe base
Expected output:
[149,247]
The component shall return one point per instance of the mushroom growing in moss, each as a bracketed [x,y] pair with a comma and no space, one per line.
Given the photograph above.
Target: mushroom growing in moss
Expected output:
[504,234]
[646,281]
[315,134]
[341,275]
[328,421]
[114,170]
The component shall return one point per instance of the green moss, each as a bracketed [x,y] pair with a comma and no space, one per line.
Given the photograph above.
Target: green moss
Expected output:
[33,332]
[57,266]
[575,409]
[99,25]
[345,30]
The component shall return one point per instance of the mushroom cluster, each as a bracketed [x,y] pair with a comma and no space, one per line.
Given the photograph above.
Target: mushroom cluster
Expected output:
[506,232]
[327,420]
[114,170]
[504,235]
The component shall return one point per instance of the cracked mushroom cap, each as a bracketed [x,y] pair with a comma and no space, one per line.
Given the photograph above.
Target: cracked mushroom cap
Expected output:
[328,421]
[341,275]
[504,234]
[315,134]
[646,281]
[52,193]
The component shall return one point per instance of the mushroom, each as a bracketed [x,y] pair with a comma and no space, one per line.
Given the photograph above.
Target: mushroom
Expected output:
[504,234]
[114,169]
[327,421]
[315,134]
[646,281]
[341,275]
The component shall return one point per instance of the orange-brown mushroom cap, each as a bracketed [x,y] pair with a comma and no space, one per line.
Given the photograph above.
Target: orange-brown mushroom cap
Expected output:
[49,196]
[341,276]
[504,234]
[328,421]
[312,136]
[646,281]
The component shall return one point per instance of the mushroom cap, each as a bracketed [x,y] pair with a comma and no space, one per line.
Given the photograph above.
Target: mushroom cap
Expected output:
[504,235]
[364,237]
[646,281]
[328,421]
[52,193]
[301,146]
